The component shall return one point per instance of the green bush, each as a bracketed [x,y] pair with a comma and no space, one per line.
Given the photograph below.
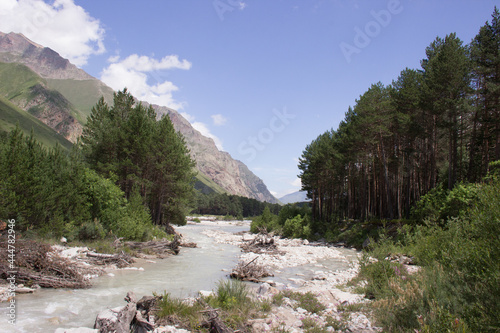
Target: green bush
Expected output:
[229,294]
[179,311]
[429,206]
[298,227]
[438,205]
[267,221]
[457,289]
[91,231]
[307,301]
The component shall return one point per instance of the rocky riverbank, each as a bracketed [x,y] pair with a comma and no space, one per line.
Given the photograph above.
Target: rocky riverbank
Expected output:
[41,265]
[341,305]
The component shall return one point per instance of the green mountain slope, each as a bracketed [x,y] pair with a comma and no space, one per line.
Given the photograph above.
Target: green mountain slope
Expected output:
[207,185]
[27,90]
[10,115]
[82,94]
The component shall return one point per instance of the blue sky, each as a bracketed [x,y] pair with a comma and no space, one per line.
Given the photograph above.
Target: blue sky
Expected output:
[262,77]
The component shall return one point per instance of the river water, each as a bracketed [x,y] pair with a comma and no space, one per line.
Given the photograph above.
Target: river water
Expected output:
[183,275]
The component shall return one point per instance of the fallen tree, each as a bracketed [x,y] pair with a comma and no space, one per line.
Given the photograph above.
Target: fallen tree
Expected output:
[263,242]
[160,248]
[120,260]
[250,271]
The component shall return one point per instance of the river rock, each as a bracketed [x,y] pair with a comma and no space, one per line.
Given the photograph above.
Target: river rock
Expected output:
[263,289]
[358,322]
[206,293]
[299,282]
[116,320]
[169,329]
[76,330]
[319,275]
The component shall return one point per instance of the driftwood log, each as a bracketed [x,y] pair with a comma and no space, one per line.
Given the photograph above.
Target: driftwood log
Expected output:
[121,260]
[36,264]
[250,271]
[162,247]
[263,242]
[214,323]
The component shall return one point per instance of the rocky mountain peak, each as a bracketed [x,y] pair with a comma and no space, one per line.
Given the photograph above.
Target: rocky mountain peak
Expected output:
[231,175]
[42,60]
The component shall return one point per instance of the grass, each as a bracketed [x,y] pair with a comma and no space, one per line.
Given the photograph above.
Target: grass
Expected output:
[232,300]
[178,312]
[457,286]
[83,94]
[306,301]
[310,325]
[207,185]
[17,79]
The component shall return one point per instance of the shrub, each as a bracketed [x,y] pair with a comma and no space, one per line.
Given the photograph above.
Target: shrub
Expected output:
[229,294]
[179,311]
[457,289]
[91,231]
[298,227]
[307,301]
[267,221]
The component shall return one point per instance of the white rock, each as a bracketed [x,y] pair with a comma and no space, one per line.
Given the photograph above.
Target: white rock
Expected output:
[300,282]
[319,275]
[260,327]
[358,321]
[263,289]
[206,293]
[301,310]
[169,329]
[76,330]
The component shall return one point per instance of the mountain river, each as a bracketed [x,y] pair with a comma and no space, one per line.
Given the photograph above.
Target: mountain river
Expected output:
[183,275]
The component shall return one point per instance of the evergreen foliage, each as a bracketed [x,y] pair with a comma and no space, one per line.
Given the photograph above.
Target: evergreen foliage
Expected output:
[228,204]
[54,194]
[436,126]
[145,155]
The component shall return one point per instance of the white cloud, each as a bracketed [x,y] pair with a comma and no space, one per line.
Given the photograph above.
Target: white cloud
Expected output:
[132,73]
[63,26]
[218,119]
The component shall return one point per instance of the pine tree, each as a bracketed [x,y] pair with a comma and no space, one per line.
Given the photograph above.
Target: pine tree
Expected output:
[126,141]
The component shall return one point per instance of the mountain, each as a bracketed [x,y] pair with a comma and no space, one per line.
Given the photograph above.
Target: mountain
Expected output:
[11,115]
[299,196]
[39,81]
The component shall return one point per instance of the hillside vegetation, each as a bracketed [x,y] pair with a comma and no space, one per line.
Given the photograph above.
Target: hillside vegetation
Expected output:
[412,175]
[10,115]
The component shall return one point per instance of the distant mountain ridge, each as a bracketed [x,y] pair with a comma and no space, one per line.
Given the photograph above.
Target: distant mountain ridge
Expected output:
[299,196]
[67,93]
